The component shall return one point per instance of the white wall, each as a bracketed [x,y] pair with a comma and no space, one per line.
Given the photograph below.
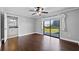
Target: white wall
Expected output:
[0,27]
[72,21]
[26,26]
[38,26]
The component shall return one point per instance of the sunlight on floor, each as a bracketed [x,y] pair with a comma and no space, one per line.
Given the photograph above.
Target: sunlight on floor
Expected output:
[50,43]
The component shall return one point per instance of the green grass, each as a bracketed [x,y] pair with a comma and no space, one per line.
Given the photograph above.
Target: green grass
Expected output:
[52,30]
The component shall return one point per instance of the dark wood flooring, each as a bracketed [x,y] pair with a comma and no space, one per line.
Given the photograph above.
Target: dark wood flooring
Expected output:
[37,42]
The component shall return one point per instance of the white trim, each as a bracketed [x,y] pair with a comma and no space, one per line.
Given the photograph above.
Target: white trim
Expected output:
[70,40]
[21,35]
[38,33]
[5,27]
[25,34]
[0,43]
[11,37]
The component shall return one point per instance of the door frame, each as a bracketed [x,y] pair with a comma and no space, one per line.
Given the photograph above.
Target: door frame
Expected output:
[50,29]
[5,27]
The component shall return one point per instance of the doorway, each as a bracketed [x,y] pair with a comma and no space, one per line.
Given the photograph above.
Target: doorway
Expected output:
[51,28]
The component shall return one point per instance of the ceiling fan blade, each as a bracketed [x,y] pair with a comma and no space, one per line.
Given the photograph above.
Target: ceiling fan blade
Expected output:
[33,13]
[44,12]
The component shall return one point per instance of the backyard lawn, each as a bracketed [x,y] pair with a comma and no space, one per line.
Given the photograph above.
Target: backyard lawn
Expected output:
[52,30]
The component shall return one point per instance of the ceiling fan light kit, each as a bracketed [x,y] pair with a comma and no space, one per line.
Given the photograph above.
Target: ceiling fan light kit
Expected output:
[38,11]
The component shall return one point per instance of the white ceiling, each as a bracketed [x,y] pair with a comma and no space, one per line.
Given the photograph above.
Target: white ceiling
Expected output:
[24,11]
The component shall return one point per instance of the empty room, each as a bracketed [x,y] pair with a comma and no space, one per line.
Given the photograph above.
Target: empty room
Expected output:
[39,28]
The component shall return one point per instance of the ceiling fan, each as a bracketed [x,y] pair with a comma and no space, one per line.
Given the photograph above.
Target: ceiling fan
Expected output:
[38,11]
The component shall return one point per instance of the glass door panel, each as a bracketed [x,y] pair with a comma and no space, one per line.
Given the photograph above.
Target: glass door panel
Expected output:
[47,27]
[55,28]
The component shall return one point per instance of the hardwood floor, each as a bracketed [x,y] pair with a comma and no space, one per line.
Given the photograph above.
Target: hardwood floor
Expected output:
[37,42]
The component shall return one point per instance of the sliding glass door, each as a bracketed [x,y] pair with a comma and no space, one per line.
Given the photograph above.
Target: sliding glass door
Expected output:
[55,28]
[52,27]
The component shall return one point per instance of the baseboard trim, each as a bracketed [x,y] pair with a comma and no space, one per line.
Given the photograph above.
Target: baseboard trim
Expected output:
[12,37]
[24,35]
[38,33]
[42,34]
[27,34]
[70,40]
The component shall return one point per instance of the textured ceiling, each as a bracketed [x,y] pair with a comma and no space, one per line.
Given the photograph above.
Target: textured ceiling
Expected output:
[24,11]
